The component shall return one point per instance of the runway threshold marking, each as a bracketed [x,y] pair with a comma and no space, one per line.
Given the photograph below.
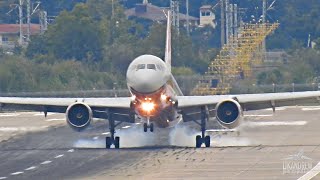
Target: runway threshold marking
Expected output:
[17,173]
[31,168]
[312,173]
[59,156]
[3,177]
[46,162]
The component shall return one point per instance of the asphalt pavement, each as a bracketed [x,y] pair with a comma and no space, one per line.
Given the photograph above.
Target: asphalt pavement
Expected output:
[284,145]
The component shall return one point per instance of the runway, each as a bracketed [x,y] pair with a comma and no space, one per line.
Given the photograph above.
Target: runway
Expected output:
[34,147]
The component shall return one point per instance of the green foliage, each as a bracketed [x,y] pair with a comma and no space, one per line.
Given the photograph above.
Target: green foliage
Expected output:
[182,71]
[303,67]
[20,75]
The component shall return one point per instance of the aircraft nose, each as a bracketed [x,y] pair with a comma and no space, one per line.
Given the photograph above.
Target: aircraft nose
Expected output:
[147,82]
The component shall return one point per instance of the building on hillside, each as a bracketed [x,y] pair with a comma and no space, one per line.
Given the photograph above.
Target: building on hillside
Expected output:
[154,13]
[207,17]
[10,33]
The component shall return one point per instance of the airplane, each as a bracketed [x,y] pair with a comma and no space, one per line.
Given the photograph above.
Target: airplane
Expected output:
[157,100]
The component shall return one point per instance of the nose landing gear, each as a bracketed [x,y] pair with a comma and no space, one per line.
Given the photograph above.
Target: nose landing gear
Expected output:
[148,125]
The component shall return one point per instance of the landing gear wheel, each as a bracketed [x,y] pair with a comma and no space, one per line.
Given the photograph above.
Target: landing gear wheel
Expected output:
[117,142]
[108,142]
[198,141]
[145,127]
[151,127]
[207,141]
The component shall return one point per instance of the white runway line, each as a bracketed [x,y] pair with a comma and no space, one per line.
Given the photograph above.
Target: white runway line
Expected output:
[312,173]
[46,162]
[258,115]
[59,156]
[42,114]
[71,150]
[9,115]
[221,130]
[10,129]
[310,109]
[278,123]
[31,168]
[105,133]
[3,177]
[17,173]
[95,138]
[277,109]
[58,119]
[138,123]
[126,127]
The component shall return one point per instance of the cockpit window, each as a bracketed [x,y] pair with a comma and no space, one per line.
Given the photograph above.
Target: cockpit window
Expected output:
[151,66]
[159,67]
[141,66]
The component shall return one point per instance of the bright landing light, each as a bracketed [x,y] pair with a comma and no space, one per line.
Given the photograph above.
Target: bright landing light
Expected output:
[147,106]
[163,97]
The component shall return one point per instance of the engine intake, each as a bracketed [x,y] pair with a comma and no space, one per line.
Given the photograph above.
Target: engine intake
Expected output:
[79,116]
[228,113]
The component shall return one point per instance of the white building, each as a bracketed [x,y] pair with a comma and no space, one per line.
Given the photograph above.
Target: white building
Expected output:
[207,17]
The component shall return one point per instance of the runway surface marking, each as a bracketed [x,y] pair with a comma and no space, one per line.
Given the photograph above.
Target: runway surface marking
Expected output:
[277,109]
[42,114]
[258,115]
[278,123]
[95,138]
[126,127]
[9,115]
[310,109]
[8,129]
[46,162]
[17,173]
[31,168]
[138,123]
[221,130]
[59,156]
[71,150]
[105,133]
[312,173]
[34,167]
[57,119]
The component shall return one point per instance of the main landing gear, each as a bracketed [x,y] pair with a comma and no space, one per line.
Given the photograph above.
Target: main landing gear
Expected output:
[203,139]
[112,140]
[148,125]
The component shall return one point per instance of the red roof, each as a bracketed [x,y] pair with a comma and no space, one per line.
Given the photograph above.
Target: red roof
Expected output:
[15,28]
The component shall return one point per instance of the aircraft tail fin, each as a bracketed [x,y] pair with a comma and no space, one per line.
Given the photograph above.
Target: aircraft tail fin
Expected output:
[168,41]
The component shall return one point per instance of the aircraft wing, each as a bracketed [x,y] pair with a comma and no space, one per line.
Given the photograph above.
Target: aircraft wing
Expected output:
[253,101]
[64,102]
[99,106]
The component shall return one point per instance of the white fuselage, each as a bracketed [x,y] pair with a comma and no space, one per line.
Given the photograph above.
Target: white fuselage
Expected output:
[153,98]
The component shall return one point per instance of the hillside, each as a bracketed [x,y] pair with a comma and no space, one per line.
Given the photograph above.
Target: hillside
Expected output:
[86,48]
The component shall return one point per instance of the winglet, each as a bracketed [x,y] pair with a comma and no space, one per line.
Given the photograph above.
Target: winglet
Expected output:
[168,41]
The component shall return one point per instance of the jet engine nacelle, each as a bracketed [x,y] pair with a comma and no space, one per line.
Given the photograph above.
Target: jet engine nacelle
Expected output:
[79,116]
[228,113]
